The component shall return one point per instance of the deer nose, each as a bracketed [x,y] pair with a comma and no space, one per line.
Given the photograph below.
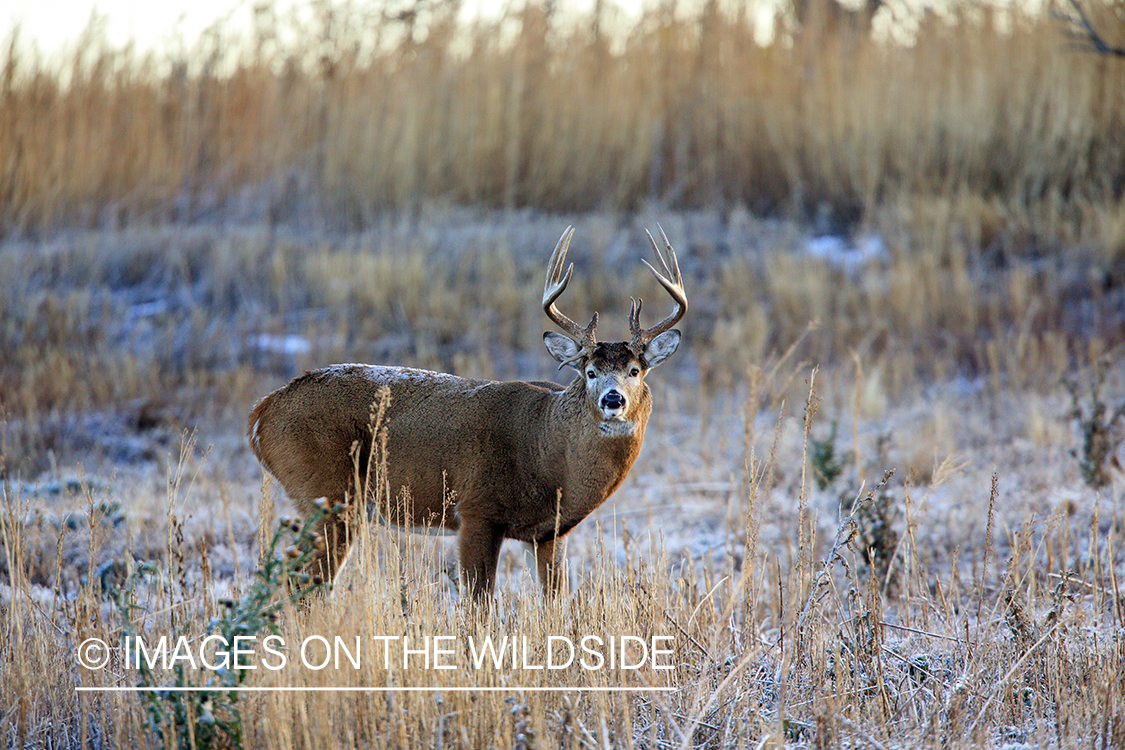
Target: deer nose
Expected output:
[613,400]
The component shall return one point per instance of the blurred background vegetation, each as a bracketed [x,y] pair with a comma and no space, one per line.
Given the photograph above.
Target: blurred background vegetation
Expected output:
[340,111]
[937,194]
[910,220]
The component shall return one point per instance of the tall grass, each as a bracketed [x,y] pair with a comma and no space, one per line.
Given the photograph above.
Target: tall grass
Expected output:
[779,637]
[936,610]
[344,112]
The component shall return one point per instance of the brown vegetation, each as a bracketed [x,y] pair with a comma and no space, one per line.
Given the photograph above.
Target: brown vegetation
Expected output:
[183,234]
[992,115]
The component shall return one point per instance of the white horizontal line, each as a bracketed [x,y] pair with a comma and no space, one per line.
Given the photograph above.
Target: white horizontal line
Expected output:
[352,689]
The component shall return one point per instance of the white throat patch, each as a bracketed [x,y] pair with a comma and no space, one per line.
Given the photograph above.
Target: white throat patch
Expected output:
[617,427]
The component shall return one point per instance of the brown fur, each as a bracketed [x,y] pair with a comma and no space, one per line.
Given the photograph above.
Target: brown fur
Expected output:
[500,453]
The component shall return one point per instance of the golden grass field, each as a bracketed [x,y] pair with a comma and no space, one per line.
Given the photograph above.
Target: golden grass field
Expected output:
[879,502]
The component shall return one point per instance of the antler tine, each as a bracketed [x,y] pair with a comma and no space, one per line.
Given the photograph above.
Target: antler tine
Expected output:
[675,270]
[674,287]
[555,285]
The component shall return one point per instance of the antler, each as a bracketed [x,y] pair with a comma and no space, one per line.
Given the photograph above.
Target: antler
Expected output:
[554,286]
[675,287]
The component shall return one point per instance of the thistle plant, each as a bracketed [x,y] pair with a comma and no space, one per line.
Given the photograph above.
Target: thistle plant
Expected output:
[202,711]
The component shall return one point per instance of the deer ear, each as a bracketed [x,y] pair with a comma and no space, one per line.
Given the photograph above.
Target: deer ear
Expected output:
[562,348]
[662,347]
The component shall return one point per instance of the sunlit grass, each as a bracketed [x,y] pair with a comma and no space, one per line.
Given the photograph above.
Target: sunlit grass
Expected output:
[343,114]
[937,229]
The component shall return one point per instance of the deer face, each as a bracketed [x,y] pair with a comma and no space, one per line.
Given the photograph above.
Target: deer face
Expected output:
[613,374]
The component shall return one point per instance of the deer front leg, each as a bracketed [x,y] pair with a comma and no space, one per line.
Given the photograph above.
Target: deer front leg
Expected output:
[478,544]
[548,561]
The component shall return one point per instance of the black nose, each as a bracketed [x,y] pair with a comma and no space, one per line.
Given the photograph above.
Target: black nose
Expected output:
[613,400]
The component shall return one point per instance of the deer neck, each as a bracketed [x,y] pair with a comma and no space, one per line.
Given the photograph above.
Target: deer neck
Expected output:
[603,450]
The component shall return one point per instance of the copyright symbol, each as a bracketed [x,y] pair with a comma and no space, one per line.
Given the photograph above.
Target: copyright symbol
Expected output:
[93,653]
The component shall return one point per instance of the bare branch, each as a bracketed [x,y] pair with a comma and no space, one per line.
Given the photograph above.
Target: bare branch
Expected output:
[1084,29]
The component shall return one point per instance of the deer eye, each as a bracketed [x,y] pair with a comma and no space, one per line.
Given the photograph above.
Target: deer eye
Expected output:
[635,372]
[591,374]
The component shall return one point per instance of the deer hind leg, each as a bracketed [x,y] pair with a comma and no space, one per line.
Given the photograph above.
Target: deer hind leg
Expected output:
[337,525]
[326,561]
[478,544]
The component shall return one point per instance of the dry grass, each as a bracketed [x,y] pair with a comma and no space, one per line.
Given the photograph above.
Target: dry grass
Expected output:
[988,125]
[107,337]
[179,242]
[779,636]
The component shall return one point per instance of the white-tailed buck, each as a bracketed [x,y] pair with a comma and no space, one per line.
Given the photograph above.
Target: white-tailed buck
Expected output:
[487,460]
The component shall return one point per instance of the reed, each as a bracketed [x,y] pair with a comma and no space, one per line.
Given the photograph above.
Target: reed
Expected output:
[340,113]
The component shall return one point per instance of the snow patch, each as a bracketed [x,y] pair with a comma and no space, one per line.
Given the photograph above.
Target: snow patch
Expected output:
[388,374]
[289,344]
[848,256]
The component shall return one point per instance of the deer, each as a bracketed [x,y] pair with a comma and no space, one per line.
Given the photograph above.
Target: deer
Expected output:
[485,460]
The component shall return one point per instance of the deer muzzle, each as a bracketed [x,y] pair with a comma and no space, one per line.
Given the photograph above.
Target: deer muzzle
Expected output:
[612,403]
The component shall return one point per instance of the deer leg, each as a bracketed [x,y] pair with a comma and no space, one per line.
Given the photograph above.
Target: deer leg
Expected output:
[478,544]
[548,559]
[326,562]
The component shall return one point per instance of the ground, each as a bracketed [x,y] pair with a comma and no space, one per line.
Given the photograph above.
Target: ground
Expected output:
[839,546]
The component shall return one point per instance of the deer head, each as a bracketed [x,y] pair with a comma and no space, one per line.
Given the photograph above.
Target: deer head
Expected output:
[613,372]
